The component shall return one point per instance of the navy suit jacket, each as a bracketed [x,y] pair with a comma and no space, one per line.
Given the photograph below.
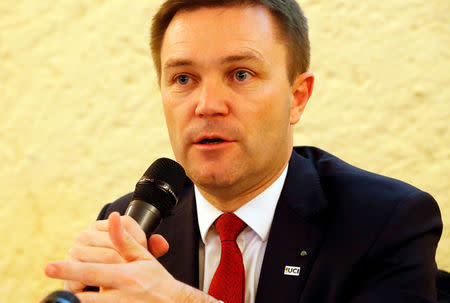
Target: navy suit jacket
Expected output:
[368,238]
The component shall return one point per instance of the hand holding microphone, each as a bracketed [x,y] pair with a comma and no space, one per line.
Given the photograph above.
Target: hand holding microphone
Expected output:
[138,277]
[94,245]
[113,253]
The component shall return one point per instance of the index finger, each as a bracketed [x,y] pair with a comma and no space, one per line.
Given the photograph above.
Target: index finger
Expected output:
[100,225]
[105,275]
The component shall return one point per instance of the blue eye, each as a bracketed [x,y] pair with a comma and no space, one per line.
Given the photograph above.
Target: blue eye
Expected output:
[182,79]
[241,75]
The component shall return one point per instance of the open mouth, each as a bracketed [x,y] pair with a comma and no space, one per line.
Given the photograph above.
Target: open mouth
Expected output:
[211,141]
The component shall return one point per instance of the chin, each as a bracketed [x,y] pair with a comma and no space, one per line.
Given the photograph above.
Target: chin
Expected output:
[212,178]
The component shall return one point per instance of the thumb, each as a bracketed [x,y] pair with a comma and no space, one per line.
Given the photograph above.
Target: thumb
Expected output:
[124,243]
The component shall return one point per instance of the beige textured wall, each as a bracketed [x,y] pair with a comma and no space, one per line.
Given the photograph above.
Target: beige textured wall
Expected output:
[81,117]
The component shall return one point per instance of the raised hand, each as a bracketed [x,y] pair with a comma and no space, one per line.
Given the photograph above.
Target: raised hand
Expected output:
[94,245]
[136,276]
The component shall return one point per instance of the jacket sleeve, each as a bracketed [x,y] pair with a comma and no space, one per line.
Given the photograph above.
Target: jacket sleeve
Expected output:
[120,205]
[102,214]
[401,263]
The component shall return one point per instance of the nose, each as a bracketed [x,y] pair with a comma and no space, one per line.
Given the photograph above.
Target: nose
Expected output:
[213,99]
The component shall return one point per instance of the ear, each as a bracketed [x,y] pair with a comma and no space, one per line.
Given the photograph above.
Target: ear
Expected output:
[301,92]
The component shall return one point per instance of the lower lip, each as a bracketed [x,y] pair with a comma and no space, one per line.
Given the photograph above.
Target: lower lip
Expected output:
[213,146]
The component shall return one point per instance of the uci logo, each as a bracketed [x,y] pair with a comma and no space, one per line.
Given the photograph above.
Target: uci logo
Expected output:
[292,271]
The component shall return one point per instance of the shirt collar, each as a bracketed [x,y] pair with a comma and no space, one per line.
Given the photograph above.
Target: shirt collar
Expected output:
[257,213]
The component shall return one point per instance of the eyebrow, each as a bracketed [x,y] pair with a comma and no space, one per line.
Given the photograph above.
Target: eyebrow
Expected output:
[171,63]
[245,56]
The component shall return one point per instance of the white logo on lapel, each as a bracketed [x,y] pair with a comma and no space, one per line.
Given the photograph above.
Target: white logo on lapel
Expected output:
[292,271]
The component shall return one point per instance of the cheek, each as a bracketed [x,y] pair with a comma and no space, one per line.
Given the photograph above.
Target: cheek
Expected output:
[178,114]
[268,114]
[170,114]
[173,112]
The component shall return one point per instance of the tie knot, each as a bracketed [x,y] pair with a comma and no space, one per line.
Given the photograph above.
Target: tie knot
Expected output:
[229,226]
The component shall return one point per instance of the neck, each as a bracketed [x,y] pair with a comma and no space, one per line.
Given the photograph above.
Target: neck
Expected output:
[231,198]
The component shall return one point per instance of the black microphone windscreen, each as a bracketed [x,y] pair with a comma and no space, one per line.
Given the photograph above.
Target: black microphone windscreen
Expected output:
[161,185]
[169,171]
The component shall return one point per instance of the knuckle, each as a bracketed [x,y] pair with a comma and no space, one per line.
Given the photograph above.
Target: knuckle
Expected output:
[127,275]
[93,225]
[141,238]
[90,277]
[134,277]
[73,286]
[71,252]
[75,253]
[129,222]
[112,257]
[82,236]
[129,280]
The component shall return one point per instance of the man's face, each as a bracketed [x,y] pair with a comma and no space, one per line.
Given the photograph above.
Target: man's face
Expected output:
[227,98]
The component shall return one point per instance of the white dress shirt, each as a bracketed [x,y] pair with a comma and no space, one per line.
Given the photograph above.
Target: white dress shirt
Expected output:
[258,215]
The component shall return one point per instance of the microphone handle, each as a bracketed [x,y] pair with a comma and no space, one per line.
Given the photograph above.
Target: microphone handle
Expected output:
[146,215]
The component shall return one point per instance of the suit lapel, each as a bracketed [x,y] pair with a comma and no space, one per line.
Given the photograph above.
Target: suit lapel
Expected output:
[182,233]
[298,226]
[296,234]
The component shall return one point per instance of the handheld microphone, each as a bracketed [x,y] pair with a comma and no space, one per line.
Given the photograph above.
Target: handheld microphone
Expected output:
[61,296]
[156,194]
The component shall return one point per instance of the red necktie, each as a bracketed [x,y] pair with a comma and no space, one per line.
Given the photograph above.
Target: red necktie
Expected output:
[228,282]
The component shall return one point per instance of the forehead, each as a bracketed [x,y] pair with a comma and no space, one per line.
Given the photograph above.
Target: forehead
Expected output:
[210,33]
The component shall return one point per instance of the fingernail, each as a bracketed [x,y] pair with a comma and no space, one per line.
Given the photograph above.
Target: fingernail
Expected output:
[51,270]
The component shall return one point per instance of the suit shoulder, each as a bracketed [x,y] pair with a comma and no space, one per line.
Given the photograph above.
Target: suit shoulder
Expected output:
[342,181]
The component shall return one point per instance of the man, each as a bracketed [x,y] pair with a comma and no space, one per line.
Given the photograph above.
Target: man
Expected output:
[234,81]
